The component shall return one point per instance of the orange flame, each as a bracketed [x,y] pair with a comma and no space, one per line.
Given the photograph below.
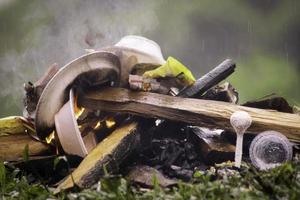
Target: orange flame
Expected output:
[78,110]
[97,125]
[110,122]
[50,137]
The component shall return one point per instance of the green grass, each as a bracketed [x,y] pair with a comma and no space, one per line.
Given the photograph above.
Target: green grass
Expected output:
[263,74]
[219,182]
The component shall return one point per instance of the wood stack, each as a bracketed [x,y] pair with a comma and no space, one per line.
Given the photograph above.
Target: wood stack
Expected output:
[158,130]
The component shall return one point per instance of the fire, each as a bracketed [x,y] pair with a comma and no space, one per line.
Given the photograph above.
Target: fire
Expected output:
[77,110]
[110,122]
[97,125]
[50,137]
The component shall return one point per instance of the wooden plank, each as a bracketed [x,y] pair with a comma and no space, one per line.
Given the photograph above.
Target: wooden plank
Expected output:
[107,154]
[193,111]
[12,125]
[12,147]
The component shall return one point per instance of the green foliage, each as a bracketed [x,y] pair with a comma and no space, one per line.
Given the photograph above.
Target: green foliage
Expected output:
[26,153]
[2,177]
[258,76]
[280,183]
[15,186]
[107,188]
[12,25]
[220,182]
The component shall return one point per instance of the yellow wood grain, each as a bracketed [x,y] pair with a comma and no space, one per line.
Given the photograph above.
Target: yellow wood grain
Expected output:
[103,149]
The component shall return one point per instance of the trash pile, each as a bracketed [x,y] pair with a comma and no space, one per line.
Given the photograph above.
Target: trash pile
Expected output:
[126,110]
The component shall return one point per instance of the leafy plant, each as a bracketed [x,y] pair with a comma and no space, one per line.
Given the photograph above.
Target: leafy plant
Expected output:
[219,182]
[14,185]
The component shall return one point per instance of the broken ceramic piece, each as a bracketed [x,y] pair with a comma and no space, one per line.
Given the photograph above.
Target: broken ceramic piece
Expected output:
[270,149]
[68,132]
[114,64]
[52,98]
[142,45]
[133,50]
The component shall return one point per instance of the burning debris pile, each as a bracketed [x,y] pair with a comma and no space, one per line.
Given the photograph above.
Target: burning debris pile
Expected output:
[126,110]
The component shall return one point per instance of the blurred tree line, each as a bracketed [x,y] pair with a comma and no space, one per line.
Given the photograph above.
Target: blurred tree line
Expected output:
[262,36]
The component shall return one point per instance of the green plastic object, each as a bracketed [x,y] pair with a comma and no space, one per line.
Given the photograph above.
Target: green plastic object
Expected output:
[172,68]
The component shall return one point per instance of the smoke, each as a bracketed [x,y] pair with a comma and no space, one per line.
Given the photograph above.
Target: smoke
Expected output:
[35,34]
[62,31]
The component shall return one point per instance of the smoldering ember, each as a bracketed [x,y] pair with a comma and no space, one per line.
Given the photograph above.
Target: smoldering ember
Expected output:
[127,110]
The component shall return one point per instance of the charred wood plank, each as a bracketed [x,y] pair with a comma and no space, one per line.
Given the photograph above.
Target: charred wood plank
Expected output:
[272,102]
[212,78]
[205,113]
[213,147]
[224,92]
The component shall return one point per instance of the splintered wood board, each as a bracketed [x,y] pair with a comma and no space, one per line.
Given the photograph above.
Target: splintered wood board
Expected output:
[206,113]
[107,154]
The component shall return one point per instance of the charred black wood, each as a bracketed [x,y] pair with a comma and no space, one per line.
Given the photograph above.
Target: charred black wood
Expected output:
[34,91]
[247,139]
[169,149]
[224,92]
[212,78]
[272,102]
[212,146]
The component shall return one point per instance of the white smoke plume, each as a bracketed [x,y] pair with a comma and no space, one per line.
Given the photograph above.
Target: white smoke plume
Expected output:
[66,29]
